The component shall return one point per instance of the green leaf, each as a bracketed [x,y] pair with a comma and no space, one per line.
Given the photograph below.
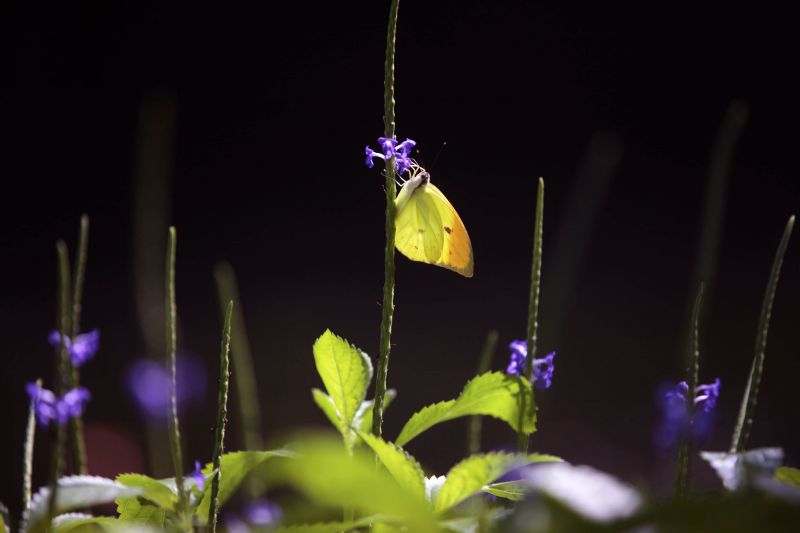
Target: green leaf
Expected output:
[234,467]
[157,492]
[74,492]
[325,403]
[403,468]
[346,372]
[510,490]
[335,527]
[331,476]
[788,475]
[494,394]
[472,474]
[141,511]
[105,524]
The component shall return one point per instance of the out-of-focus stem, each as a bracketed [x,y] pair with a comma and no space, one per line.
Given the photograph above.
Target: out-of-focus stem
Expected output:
[222,417]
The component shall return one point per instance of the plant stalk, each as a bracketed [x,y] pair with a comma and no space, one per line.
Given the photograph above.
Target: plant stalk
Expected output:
[222,416]
[387,310]
[76,437]
[27,464]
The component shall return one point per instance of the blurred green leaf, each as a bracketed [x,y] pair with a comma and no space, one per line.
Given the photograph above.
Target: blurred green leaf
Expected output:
[346,372]
[495,394]
[472,474]
[788,475]
[510,490]
[336,527]
[403,468]
[328,475]
[151,489]
[325,403]
[234,468]
[141,511]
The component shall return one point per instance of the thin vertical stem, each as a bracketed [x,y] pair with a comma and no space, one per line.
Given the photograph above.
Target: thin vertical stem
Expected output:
[77,442]
[27,464]
[244,382]
[745,419]
[222,416]
[692,377]
[171,314]
[388,265]
[476,422]
[533,311]
[56,462]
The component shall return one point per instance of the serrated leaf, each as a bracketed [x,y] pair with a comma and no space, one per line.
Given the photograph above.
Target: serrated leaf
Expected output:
[402,466]
[336,527]
[493,394]
[234,467]
[788,475]
[141,511]
[63,521]
[154,490]
[325,403]
[74,492]
[737,470]
[328,475]
[472,474]
[107,524]
[346,372]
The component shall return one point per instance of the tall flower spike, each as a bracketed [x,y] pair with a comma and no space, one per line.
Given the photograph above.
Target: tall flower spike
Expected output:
[80,349]
[542,368]
[389,148]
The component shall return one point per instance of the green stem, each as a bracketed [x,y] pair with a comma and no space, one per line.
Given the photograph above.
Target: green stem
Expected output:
[222,416]
[476,422]
[27,464]
[56,462]
[388,265]
[692,377]
[174,428]
[533,312]
[745,420]
[244,382]
[76,437]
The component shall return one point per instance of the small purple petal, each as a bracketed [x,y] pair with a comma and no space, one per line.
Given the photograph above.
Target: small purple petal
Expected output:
[707,395]
[263,513]
[543,371]
[387,146]
[71,405]
[371,155]
[404,148]
[149,383]
[84,347]
[197,476]
[44,404]
[55,339]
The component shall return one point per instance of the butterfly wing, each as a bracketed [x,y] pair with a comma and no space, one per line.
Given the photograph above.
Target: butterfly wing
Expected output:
[429,230]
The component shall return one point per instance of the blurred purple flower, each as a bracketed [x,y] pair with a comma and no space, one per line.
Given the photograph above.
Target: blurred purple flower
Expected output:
[678,420]
[197,475]
[48,407]
[389,149]
[80,349]
[542,368]
[263,513]
[149,383]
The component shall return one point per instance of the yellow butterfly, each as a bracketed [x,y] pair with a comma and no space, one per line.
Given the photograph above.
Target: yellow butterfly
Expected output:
[428,229]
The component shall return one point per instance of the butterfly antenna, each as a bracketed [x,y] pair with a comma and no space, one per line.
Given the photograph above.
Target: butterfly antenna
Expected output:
[438,153]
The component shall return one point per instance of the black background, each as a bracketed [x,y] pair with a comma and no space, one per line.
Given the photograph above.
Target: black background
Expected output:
[273,106]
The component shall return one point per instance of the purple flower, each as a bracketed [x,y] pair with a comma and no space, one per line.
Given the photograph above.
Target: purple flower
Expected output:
[542,368]
[80,349]
[389,148]
[197,476]
[49,408]
[679,418]
[262,513]
[149,383]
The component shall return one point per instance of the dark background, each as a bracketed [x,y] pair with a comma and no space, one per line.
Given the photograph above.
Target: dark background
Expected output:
[252,122]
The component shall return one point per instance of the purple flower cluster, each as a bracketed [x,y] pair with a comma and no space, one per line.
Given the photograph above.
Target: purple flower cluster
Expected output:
[49,408]
[81,348]
[681,418]
[390,149]
[542,368]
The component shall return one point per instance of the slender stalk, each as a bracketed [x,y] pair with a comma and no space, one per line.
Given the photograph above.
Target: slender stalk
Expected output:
[244,382]
[476,422]
[533,311]
[171,315]
[388,264]
[56,461]
[27,463]
[222,416]
[745,420]
[692,377]
[76,438]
